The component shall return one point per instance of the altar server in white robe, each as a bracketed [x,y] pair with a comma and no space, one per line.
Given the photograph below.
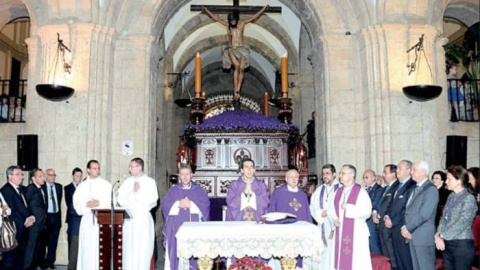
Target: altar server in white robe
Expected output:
[321,201]
[352,207]
[138,195]
[94,192]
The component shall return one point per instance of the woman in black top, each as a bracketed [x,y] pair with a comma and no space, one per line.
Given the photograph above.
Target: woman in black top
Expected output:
[438,179]
[474,179]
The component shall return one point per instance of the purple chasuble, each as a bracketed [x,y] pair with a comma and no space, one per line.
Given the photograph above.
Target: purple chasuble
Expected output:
[295,203]
[346,256]
[172,223]
[235,191]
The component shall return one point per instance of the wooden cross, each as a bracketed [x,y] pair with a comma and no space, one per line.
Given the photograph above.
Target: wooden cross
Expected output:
[235,8]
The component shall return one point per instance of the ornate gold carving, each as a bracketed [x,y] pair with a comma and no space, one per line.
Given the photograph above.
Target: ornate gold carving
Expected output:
[205,263]
[248,216]
[288,263]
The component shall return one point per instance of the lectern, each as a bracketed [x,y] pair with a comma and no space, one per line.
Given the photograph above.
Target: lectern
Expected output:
[104,219]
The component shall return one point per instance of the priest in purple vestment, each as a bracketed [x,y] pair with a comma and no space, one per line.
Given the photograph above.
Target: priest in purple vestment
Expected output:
[183,202]
[290,199]
[352,207]
[247,197]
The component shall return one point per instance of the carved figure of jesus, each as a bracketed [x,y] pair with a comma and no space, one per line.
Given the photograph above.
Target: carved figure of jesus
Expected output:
[236,53]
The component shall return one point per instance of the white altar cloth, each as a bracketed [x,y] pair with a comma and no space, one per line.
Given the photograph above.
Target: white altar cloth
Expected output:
[241,239]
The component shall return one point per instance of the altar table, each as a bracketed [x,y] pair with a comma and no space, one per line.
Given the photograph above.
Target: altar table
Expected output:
[208,240]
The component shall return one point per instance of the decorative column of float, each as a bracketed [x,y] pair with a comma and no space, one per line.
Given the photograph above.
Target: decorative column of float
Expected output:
[197,111]
[285,104]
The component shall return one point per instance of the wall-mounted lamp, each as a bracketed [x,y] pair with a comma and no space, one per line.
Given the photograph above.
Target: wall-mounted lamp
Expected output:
[181,102]
[422,92]
[55,92]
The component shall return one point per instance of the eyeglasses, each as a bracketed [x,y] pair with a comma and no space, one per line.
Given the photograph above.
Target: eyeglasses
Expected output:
[134,166]
[18,174]
[54,175]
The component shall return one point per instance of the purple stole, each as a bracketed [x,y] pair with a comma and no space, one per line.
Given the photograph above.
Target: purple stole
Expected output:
[347,231]
[322,192]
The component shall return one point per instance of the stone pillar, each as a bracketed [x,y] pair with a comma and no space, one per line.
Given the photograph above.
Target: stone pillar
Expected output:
[134,99]
[343,113]
[73,131]
[397,128]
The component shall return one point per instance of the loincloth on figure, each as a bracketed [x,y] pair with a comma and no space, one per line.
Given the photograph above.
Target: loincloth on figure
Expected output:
[240,52]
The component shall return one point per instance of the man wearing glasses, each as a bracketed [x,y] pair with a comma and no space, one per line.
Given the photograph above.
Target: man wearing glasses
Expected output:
[138,194]
[53,222]
[351,208]
[13,192]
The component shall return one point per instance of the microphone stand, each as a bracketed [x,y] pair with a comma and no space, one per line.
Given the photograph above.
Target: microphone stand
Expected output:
[112,228]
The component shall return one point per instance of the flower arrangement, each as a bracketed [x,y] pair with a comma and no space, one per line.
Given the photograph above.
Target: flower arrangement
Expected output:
[241,121]
[248,264]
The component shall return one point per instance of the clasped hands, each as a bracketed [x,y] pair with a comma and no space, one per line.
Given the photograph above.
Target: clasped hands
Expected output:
[388,222]
[184,203]
[439,242]
[4,210]
[136,187]
[29,221]
[248,188]
[375,218]
[336,221]
[93,203]
[405,233]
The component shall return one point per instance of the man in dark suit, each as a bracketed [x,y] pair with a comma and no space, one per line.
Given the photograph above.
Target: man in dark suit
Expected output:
[54,192]
[37,205]
[419,228]
[73,219]
[390,176]
[12,192]
[375,193]
[394,218]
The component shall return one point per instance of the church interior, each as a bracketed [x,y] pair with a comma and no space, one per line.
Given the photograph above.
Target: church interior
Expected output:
[133,65]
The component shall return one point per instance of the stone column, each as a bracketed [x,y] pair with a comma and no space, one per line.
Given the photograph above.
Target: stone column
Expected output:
[134,99]
[397,128]
[343,112]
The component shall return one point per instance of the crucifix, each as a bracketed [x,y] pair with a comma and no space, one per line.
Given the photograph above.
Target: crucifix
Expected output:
[236,53]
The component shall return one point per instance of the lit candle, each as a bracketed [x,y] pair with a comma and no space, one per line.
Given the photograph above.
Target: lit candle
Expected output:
[198,76]
[284,76]
[204,95]
[265,104]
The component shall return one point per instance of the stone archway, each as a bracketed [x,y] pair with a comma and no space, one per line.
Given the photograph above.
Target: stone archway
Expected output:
[309,64]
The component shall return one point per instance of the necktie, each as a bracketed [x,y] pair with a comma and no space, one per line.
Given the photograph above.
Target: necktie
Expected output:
[399,187]
[413,194]
[21,195]
[43,195]
[54,202]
